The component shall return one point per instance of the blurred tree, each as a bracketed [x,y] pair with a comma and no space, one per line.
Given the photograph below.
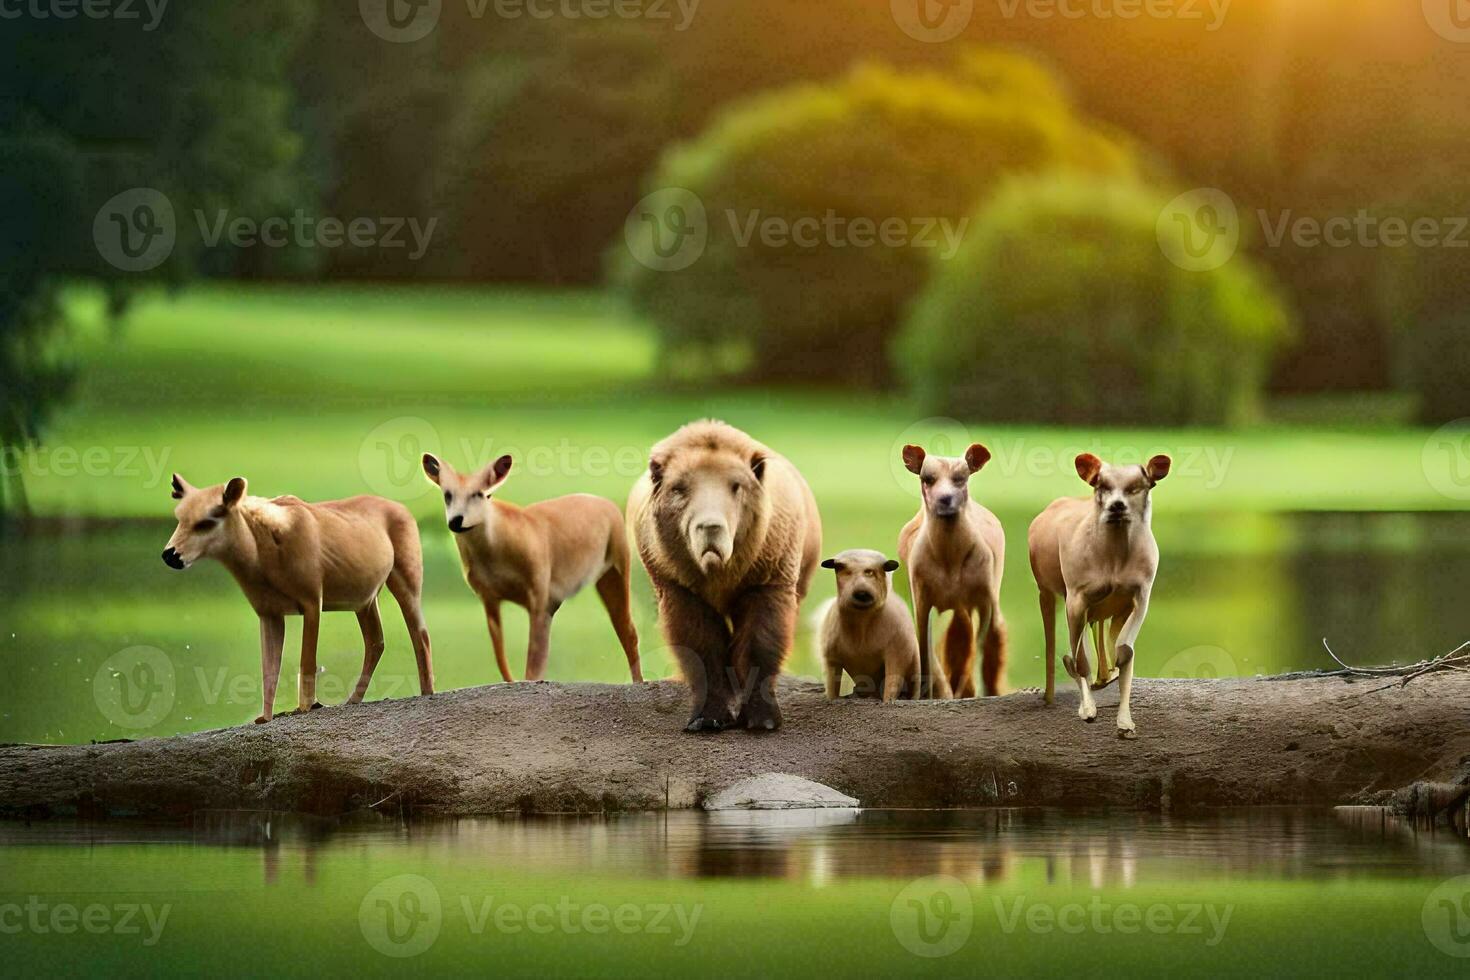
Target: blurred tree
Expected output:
[1062,307]
[193,108]
[823,203]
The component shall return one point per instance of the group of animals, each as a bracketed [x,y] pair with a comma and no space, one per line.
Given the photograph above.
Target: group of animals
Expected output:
[730,536]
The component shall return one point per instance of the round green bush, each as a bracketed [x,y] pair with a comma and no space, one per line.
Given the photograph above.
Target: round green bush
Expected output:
[1062,306]
[915,149]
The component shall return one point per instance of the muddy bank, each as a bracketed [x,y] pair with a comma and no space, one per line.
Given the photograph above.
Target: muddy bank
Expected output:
[587,747]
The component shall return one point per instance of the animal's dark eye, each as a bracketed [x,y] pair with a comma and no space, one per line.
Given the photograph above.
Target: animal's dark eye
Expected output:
[679,489]
[928,481]
[735,488]
[448,496]
[204,525]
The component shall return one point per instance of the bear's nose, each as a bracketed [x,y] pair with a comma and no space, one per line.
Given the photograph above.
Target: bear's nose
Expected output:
[863,595]
[1117,507]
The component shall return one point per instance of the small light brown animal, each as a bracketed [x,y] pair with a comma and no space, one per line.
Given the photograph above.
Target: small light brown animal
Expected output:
[537,557]
[867,631]
[1101,555]
[292,558]
[955,551]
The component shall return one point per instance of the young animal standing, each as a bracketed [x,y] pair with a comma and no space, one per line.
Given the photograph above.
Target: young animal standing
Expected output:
[955,551]
[1101,555]
[537,557]
[729,533]
[867,630]
[292,558]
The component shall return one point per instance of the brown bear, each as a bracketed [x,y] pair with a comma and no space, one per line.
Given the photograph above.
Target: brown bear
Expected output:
[729,533]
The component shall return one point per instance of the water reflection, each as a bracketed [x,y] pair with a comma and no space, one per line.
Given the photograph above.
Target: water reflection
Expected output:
[1092,849]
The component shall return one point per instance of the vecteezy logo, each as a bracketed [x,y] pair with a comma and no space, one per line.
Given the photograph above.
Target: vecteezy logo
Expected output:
[391,456]
[400,21]
[932,21]
[1446,460]
[1199,230]
[1449,18]
[667,230]
[1446,917]
[135,231]
[933,916]
[401,917]
[1200,663]
[134,688]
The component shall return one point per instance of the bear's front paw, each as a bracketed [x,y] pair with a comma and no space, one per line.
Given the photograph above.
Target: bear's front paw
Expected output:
[760,716]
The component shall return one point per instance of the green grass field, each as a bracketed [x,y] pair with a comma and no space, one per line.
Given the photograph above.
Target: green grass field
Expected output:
[323,392]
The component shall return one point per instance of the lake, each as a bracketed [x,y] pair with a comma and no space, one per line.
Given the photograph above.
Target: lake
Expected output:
[101,641]
[1252,892]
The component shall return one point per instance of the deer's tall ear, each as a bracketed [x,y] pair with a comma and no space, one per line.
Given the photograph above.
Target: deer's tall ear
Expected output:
[976,457]
[1158,468]
[913,458]
[234,491]
[891,565]
[432,468]
[180,486]
[1088,467]
[492,476]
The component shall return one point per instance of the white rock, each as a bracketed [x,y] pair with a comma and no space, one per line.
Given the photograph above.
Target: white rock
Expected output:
[777,791]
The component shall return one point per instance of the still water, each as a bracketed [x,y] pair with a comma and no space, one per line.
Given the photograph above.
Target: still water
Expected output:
[1275,891]
[98,640]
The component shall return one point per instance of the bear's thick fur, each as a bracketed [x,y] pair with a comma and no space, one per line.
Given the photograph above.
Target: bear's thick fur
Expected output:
[729,611]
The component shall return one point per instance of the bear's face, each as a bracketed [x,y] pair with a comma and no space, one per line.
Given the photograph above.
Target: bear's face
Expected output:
[707,501]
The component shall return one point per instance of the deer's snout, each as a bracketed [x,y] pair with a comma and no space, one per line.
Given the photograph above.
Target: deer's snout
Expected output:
[173,559]
[456,524]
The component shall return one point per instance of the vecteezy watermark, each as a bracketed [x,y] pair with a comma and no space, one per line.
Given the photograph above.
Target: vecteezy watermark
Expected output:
[1446,460]
[404,916]
[125,462]
[390,457]
[135,688]
[1200,663]
[933,916]
[1446,917]
[406,21]
[1450,19]
[932,21]
[1211,13]
[139,687]
[136,231]
[1203,919]
[669,230]
[302,230]
[1199,231]
[836,231]
[122,10]
[42,917]
[1207,465]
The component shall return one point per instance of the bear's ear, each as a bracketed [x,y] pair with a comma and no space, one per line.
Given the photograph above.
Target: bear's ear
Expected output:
[976,457]
[180,487]
[758,465]
[830,563]
[913,458]
[1088,467]
[891,565]
[656,469]
[432,468]
[1158,468]
[234,491]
